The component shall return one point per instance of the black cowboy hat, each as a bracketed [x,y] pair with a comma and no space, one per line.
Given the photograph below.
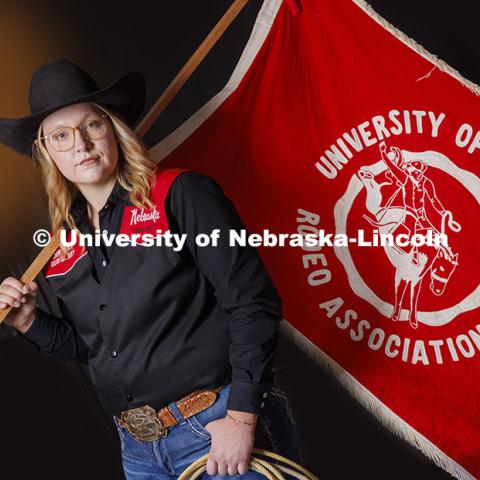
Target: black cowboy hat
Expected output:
[62,83]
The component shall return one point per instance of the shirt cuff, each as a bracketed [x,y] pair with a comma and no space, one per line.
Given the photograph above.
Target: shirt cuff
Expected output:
[248,397]
[40,332]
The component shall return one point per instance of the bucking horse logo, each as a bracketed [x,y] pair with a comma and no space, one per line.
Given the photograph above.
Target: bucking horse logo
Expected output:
[405,212]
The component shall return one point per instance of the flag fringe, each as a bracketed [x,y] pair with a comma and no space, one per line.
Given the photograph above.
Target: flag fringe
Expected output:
[416,47]
[374,405]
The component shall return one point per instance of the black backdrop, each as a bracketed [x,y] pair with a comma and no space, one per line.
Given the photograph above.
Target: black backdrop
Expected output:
[51,423]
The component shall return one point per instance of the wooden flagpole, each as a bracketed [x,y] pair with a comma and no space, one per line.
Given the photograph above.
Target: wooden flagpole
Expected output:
[182,76]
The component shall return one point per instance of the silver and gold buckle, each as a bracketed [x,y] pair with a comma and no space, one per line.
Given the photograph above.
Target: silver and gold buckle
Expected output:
[143,423]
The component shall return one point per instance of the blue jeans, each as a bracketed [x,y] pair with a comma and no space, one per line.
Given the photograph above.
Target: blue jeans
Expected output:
[168,457]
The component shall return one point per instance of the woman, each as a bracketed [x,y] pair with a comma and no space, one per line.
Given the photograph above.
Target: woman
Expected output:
[179,341]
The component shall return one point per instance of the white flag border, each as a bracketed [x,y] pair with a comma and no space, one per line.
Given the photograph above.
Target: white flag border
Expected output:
[162,149]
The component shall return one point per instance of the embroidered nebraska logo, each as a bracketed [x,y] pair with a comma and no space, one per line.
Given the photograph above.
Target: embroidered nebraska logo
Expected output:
[140,217]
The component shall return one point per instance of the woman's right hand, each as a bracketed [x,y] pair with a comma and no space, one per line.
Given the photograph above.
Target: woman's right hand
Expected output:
[23,300]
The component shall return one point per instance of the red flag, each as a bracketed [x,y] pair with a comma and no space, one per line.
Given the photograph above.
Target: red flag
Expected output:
[335,121]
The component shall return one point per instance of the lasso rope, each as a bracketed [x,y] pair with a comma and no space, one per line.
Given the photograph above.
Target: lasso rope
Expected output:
[271,471]
[447,217]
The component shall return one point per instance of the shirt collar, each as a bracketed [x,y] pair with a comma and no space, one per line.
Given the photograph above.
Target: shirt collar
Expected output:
[79,212]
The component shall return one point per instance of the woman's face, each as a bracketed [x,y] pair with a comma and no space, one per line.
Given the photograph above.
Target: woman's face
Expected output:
[102,152]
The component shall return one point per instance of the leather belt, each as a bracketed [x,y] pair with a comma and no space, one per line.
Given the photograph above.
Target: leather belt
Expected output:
[145,424]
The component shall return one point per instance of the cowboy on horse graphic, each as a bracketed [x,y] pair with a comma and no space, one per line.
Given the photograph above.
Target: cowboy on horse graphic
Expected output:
[416,188]
[411,263]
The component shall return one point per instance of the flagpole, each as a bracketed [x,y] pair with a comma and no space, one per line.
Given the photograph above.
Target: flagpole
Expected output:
[184,74]
[149,119]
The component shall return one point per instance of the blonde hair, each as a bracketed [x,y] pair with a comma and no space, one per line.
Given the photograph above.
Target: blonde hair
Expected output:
[135,173]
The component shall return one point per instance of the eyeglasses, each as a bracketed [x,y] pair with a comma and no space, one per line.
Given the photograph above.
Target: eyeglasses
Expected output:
[63,138]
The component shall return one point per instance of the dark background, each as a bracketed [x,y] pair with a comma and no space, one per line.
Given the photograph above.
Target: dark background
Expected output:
[51,423]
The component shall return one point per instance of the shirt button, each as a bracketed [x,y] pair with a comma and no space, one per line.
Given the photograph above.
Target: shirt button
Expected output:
[262,404]
[113,354]
[104,263]
[129,398]
[102,307]
[264,394]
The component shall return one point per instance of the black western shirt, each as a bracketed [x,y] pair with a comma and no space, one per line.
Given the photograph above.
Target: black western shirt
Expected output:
[154,324]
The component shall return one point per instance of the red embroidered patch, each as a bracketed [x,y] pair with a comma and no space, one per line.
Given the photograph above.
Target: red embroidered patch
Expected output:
[61,263]
[152,221]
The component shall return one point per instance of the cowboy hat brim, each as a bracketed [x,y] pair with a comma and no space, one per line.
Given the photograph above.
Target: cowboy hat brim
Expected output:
[125,96]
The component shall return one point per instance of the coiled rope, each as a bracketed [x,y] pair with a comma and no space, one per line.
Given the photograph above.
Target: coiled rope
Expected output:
[272,471]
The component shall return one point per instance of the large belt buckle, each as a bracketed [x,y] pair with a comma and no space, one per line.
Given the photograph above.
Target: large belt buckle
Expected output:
[143,423]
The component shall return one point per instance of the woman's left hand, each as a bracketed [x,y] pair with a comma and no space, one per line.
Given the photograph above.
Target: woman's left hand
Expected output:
[232,444]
